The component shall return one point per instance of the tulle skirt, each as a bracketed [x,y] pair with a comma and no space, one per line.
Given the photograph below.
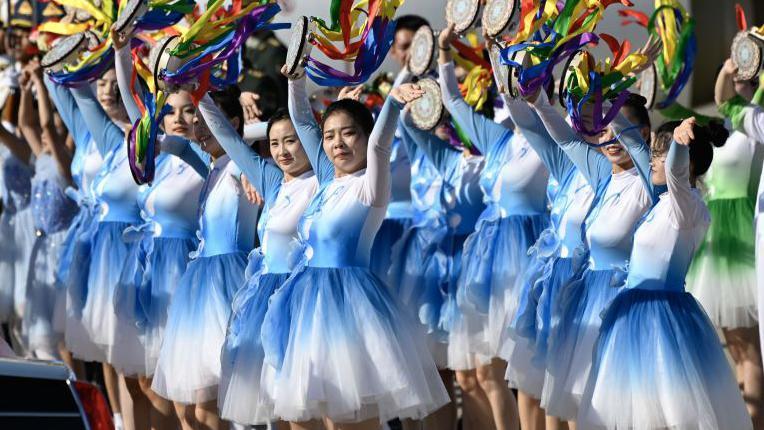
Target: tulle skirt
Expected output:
[42,296]
[571,341]
[243,356]
[417,273]
[723,274]
[658,364]
[17,233]
[109,256]
[494,264]
[343,348]
[73,275]
[143,298]
[188,369]
[381,250]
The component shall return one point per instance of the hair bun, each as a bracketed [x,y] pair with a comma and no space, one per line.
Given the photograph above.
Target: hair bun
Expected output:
[717,133]
[638,99]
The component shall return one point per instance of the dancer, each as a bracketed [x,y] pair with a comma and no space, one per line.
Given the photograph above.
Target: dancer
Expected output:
[169,208]
[334,317]
[287,187]
[723,273]
[658,362]
[618,172]
[495,256]
[53,212]
[188,369]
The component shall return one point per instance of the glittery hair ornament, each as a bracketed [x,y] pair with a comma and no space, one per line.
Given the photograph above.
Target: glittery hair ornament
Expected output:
[358,32]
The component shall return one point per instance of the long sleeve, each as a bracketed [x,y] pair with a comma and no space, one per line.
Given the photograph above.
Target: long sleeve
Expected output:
[264,176]
[188,152]
[530,125]
[308,130]
[684,203]
[753,123]
[255,131]
[592,164]
[69,111]
[482,131]
[378,175]
[124,68]
[444,157]
[106,134]
[636,146]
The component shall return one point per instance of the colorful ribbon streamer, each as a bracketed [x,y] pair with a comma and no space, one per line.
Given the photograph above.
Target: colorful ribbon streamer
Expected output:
[365,42]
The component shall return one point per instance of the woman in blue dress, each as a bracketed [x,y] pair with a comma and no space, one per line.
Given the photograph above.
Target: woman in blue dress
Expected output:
[333,331]
[618,172]
[189,366]
[287,186]
[16,228]
[53,212]
[74,263]
[496,255]
[658,362]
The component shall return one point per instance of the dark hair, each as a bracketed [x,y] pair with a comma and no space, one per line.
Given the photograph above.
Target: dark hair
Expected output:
[228,101]
[281,114]
[410,22]
[360,114]
[701,148]
[635,109]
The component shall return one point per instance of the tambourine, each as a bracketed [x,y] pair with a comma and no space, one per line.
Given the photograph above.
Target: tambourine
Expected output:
[649,86]
[427,111]
[134,9]
[462,13]
[422,50]
[67,50]
[160,60]
[570,66]
[500,16]
[501,70]
[513,78]
[299,45]
[747,55]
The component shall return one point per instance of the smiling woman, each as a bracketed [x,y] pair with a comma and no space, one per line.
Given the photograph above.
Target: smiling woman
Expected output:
[346,127]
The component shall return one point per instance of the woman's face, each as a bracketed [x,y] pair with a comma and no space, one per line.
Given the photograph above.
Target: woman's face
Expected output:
[345,143]
[286,149]
[206,140]
[107,92]
[615,152]
[180,121]
[658,169]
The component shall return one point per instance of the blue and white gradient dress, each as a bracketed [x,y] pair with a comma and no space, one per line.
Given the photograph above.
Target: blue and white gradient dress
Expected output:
[269,267]
[53,212]
[169,208]
[188,370]
[624,197]
[116,193]
[461,202]
[74,263]
[333,331]
[557,255]
[17,232]
[419,268]
[658,362]
[495,257]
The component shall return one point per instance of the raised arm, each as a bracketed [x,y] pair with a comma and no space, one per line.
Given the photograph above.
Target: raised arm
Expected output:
[106,134]
[308,130]
[482,131]
[123,62]
[638,149]
[443,156]
[530,125]
[378,176]
[263,175]
[69,112]
[51,139]
[592,164]
[188,152]
[29,124]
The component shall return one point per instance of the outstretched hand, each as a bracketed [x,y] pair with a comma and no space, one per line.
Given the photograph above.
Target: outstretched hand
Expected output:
[406,93]
[352,93]
[652,49]
[118,39]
